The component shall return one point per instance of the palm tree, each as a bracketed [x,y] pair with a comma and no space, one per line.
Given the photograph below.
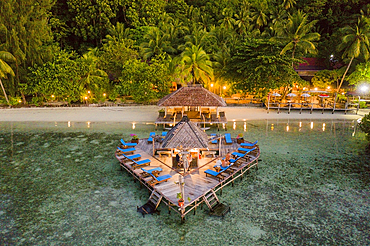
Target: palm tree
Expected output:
[94,77]
[158,42]
[5,69]
[296,34]
[355,42]
[198,64]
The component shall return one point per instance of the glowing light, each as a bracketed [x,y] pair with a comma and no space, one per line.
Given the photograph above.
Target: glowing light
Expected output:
[315,89]
[223,125]
[245,126]
[328,87]
[323,127]
[211,85]
[311,125]
[85,98]
[300,124]
[88,124]
[88,92]
[287,128]
[224,87]
[69,124]
[104,94]
[304,88]
[272,127]
[133,125]
[234,125]
[19,101]
[364,88]
[52,96]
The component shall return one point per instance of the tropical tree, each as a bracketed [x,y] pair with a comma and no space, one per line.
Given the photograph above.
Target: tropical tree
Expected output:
[355,43]
[325,78]
[198,64]
[156,44]
[296,34]
[5,69]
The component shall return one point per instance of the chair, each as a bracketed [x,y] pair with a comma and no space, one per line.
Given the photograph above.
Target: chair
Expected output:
[132,157]
[164,134]
[215,174]
[159,179]
[245,150]
[213,135]
[150,139]
[126,151]
[155,171]
[126,145]
[228,139]
[141,163]
[248,144]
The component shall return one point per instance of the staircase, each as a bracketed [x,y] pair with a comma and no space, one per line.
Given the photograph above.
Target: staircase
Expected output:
[155,198]
[211,200]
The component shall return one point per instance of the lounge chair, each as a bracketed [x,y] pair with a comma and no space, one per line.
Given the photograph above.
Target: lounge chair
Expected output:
[159,179]
[213,135]
[245,150]
[228,139]
[155,171]
[132,157]
[248,144]
[141,163]
[215,174]
[126,151]
[150,139]
[164,134]
[126,145]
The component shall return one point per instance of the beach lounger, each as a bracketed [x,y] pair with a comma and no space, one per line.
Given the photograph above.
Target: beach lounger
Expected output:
[159,179]
[126,145]
[228,139]
[155,171]
[126,151]
[164,134]
[141,163]
[132,157]
[213,135]
[245,150]
[248,144]
[150,139]
[215,174]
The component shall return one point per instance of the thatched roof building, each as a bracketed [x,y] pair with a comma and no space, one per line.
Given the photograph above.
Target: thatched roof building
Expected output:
[194,95]
[187,135]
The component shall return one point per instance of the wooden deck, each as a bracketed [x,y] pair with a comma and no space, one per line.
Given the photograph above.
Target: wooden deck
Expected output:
[196,184]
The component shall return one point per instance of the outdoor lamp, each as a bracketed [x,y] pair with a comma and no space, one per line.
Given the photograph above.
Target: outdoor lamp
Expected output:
[85,98]
[104,94]
[211,85]
[88,92]
[364,88]
[224,87]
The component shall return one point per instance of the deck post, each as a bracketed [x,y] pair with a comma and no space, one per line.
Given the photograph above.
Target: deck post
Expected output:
[311,108]
[278,108]
[335,102]
[290,105]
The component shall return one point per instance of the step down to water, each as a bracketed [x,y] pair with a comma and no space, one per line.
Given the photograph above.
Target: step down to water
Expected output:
[220,210]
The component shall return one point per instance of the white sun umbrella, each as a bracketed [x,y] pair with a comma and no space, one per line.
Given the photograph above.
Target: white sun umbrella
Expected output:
[275,94]
[291,95]
[305,95]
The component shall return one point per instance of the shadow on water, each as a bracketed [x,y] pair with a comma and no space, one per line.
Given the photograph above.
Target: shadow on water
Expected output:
[60,184]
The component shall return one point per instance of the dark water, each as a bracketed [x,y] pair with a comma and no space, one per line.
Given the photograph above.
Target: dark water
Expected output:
[61,185]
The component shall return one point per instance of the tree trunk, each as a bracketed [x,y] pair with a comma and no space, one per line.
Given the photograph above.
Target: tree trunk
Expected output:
[344,75]
[6,97]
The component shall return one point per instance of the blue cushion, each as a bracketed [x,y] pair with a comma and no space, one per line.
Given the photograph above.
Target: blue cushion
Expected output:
[163,177]
[126,150]
[132,157]
[246,150]
[228,138]
[214,135]
[238,154]
[211,172]
[152,170]
[248,144]
[143,162]
[128,144]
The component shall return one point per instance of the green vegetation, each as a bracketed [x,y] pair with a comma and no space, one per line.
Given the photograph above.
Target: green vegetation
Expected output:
[365,125]
[60,50]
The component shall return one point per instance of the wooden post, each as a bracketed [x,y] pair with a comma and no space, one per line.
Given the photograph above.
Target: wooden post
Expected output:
[335,101]
[358,105]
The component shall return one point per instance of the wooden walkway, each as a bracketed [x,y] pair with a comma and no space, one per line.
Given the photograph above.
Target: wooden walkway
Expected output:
[197,186]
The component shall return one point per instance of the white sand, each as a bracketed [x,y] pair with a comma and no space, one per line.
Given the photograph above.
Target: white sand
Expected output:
[150,113]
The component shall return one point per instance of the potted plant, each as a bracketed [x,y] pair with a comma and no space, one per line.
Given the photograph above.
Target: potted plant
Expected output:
[181,200]
[134,138]
[239,138]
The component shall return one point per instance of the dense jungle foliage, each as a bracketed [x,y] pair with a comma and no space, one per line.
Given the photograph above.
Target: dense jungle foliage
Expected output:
[62,49]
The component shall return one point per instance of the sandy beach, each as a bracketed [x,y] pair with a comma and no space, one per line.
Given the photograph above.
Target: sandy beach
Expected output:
[150,113]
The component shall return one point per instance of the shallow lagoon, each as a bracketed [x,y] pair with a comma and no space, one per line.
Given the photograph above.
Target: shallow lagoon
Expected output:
[60,184]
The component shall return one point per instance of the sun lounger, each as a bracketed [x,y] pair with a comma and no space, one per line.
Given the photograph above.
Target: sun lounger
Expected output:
[126,145]
[132,157]
[213,135]
[245,150]
[228,139]
[215,174]
[159,179]
[164,134]
[150,139]
[155,171]
[141,163]
[248,144]
[126,151]
[242,155]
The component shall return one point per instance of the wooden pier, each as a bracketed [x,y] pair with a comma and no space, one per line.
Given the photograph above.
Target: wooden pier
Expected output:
[197,187]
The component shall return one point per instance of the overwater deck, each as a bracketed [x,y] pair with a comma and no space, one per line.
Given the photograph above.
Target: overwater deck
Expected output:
[198,188]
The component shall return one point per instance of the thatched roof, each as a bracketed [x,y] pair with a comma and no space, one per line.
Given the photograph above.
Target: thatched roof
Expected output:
[185,134]
[192,96]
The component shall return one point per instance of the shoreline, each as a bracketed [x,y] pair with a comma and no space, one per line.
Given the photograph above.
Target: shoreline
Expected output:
[150,113]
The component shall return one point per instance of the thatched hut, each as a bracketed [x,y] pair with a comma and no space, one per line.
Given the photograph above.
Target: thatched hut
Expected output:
[198,103]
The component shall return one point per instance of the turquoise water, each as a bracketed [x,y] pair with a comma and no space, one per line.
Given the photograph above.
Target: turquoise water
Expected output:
[61,185]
